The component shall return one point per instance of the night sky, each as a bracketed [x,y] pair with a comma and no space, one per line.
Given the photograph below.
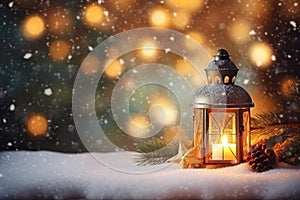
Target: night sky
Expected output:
[44,43]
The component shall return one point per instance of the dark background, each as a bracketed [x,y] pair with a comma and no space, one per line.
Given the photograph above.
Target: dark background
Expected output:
[234,25]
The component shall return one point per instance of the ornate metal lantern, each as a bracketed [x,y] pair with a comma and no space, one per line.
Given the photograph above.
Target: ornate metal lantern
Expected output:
[222,115]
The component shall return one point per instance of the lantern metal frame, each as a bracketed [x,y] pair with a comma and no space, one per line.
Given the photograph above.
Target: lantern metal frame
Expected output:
[221,96]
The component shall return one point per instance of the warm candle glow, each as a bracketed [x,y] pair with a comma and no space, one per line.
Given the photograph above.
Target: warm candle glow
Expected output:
[224,151]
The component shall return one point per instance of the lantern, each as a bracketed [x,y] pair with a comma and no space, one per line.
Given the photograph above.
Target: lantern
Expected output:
[221,115]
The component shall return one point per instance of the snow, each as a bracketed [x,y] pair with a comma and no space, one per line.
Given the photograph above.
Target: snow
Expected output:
[27,56]
[50,175]
[48,91]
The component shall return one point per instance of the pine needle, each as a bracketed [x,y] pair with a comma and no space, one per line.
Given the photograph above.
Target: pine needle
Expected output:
[155,152]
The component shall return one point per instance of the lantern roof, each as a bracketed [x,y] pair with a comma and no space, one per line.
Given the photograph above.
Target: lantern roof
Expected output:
[221,91]
[222,96]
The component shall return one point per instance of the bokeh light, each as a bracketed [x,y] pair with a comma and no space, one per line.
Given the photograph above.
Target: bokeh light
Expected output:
[90,66]
[258,10]
[59,49]
[148,48]
[186,70]
[93,15]
[187,5]
[197,36]
[59,21]
[181,19]
[163,111]
[260,54]
[115,69]
[238,31]
[137,125]
[159,17]
[36,125]
[33,27]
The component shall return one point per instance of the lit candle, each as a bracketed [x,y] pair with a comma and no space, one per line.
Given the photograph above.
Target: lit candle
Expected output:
[224,151]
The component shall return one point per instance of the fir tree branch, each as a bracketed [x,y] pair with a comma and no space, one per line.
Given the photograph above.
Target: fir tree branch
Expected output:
[155,152]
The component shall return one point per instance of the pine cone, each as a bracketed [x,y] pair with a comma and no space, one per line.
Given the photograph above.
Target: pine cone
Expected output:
[260,158]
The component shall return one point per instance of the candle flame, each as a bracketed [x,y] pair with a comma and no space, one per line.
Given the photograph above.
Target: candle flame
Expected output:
[224,140]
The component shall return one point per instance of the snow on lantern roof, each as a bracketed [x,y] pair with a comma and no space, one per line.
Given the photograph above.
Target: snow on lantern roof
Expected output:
[221,91]
[222,96]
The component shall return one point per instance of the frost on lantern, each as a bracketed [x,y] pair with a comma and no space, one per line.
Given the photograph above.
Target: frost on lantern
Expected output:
[221,116]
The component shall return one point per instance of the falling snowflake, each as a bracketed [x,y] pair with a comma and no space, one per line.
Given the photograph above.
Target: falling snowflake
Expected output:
[48,91]
[27,56]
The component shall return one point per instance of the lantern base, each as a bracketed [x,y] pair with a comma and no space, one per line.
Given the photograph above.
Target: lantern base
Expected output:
[210,166]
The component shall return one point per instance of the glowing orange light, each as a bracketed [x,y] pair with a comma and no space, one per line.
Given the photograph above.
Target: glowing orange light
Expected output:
[260,54]
[37,125]
[59,21]
[137,125]
[198,37]
[91,65]
[256,9]
[148,48]
[187,5]
[93,15]
[181,19]
[114,70]
[59,49]
[163,110]
[33,27]
[159,17]
[238,32]
[185,69]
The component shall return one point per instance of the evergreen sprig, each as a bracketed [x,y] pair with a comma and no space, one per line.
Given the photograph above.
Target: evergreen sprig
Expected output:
[155,151]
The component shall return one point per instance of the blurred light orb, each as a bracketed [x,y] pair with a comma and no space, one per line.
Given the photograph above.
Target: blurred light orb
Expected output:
[37,125]
[90,65]
[159,17]
[238,32]
[93,15]
[181,19]
[114,70]
[59,22]
[33,27]
[195,35]
[59,50]
[163,111]
[187,5]
[148,48]
[137,126]
[260,54]
[186,70]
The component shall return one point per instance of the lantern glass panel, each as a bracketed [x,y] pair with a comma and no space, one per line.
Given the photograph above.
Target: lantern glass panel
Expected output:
[221,136]
[198,126]
[246,133]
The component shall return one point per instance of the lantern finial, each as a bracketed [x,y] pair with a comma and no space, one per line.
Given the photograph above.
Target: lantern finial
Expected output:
[222,54]
[221,70]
